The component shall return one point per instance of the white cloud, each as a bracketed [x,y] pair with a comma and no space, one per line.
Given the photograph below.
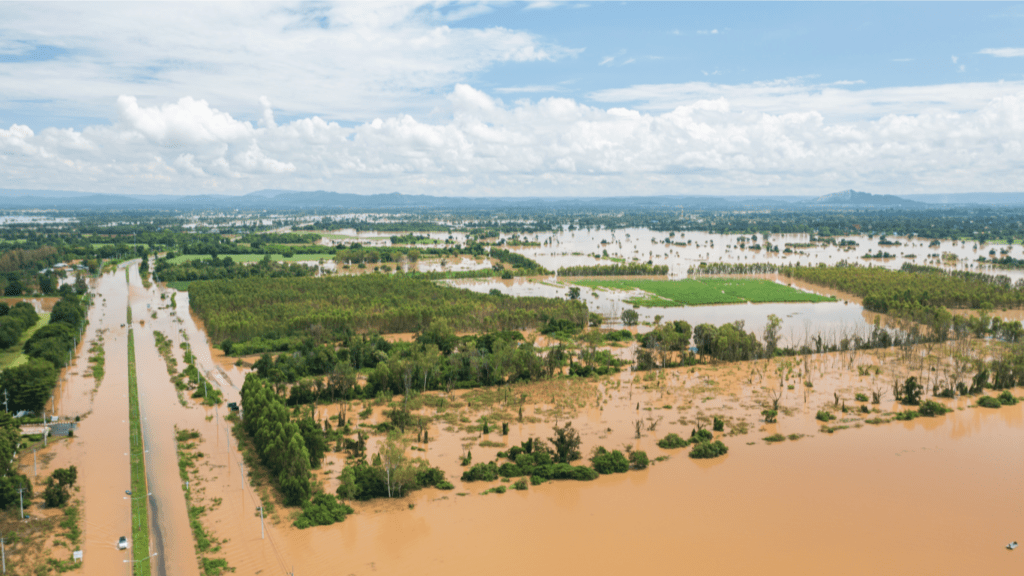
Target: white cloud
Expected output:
[713,31]
[1003,52]
[606,60]
[954,58]
[784,96]
[946,138]
[346,61]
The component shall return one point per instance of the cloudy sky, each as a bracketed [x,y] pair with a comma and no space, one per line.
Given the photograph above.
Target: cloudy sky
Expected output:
[512,99]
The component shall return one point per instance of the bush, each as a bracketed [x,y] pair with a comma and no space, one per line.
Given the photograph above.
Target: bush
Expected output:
[537,480]
[701,435]
[718,425]
[444,485]
[520,484]
[481,472]
[823,415]
[673,440]
[989,402]
[769,415]
[606,462]
[510,470]
[860,397]
[933,408]
[775,438]
[323,510]
[639,460]
[708,449]
[1007,398]
[907,415]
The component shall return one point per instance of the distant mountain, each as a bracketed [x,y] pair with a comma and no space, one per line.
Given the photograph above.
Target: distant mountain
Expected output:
[284,200]
[864,199]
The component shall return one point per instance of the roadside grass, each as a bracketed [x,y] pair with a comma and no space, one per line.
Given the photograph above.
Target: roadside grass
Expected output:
[140,503]
[188,468]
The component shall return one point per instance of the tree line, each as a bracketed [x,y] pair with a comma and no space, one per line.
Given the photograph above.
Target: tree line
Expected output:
[631,269]
[28,386]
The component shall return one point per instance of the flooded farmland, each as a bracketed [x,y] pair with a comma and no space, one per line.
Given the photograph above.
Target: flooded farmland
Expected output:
[817,499]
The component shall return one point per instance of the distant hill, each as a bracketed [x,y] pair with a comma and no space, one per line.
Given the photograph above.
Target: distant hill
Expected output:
[282,200]
[864,199]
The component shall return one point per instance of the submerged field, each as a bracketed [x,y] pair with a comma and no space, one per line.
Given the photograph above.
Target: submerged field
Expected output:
[693,292]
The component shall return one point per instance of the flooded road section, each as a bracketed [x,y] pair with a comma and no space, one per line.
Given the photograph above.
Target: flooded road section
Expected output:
[101,442]
[159,409]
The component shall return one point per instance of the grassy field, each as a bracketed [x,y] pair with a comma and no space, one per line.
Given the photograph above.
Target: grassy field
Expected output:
[243,258]
[692,292]
[140,502]
[14,356]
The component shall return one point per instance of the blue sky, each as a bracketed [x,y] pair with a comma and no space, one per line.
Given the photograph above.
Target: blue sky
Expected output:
[574,98]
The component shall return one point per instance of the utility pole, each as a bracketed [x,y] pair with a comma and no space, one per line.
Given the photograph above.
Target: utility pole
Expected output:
[21,495]
[262,533]
[3,554]
[34,472]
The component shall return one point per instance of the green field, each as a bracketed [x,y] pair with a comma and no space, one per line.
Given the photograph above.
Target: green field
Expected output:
[244,258]
[14,356]
[692,292]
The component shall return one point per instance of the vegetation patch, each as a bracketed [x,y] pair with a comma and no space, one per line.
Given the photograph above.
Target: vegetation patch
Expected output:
[696,292]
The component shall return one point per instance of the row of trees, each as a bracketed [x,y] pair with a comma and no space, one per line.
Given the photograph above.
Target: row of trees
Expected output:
[226,268]
[631,269]
[10,480]
[14,322]
[518,261]
[29,385]
[274,307]
[883,289]
[279,441]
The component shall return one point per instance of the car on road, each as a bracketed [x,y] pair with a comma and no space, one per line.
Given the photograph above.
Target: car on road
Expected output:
[122,543]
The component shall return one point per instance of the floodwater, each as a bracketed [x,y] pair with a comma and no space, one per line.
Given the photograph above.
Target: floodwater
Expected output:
[930,495]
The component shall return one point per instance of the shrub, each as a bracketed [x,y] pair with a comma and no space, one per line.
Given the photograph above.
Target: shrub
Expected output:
[510,470]
[769,415]
[520,484]
[537,480]
[673,440]
[708,449]
[606,462]
[701,435]
[1007,398]
[989,402]
[823,415]
[775,438]
[639,460]
[907,415]
[444,485]
[933,408]
[718,425]
[860,397]
[323,510]
[485,472]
